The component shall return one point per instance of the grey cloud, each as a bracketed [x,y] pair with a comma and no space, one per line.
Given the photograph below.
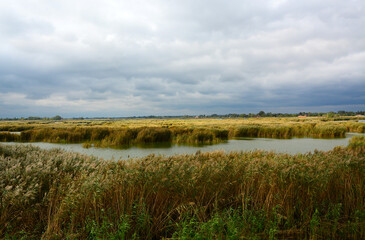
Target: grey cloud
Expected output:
[176,57]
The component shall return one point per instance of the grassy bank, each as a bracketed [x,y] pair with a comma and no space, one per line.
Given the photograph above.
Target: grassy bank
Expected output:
[254,195]
[124,133]
[111,137]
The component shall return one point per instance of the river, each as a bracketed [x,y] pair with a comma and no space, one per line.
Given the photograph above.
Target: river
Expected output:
[291,146]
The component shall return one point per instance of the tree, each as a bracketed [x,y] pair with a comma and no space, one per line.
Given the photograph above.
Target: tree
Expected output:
[261,113]
[330,114]
[57,117]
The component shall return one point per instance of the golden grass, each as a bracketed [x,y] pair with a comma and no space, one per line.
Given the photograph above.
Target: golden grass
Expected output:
[119,133]
[57,195]
[183,123]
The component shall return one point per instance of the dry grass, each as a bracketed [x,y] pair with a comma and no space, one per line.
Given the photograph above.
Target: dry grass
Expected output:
[351,122]
[57,195]
[121,133]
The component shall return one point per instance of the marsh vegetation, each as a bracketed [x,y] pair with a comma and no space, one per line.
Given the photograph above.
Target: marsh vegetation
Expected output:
[248,195]
[121,133]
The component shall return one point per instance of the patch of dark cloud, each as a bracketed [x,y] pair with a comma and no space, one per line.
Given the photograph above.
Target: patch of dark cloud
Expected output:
[182,56]
[339,94]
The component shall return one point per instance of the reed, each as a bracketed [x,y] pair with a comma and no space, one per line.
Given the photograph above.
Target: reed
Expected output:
[112,137]
[99,130]
[108,135]
[299,130]
[357,144]
[14,128]
[256,195]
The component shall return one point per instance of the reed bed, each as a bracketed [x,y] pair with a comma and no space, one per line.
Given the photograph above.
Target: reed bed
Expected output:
[110,137]
[55,194]
[302,130]
[189,131]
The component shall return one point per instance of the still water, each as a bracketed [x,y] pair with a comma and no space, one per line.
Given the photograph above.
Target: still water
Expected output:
[292,146]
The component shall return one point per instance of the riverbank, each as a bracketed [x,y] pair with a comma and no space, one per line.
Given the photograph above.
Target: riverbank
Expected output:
[290,146]
[124,133]
[255,195]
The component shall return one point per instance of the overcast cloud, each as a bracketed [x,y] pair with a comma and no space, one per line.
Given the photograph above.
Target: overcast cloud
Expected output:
[165,57]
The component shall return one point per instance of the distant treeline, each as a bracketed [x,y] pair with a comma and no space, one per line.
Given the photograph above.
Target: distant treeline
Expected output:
[269,114]
[58,117]
[230,115]
[119,137]
[308,114]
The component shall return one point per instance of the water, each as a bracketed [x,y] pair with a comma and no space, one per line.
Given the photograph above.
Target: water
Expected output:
[16,133]
[292,146]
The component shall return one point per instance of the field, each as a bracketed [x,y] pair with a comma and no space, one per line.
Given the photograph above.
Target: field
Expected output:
[246,195]
[121,133]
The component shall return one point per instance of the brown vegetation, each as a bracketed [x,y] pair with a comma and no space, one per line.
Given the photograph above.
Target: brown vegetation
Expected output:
[130,132]
[250,195]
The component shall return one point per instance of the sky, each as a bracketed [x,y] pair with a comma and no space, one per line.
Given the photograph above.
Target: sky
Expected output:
[91,58]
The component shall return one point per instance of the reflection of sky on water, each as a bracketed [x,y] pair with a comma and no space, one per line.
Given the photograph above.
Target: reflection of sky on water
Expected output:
[292,146]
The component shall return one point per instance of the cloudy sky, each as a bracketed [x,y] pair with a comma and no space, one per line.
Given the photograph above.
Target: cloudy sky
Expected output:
[169,57]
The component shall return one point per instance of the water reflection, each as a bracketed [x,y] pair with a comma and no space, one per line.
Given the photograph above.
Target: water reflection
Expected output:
[292,146]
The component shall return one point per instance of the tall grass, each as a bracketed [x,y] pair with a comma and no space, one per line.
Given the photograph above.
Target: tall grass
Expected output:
[298,130]
[254,195]
[106,137]
[123,133]
[121,137]
[357,144]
